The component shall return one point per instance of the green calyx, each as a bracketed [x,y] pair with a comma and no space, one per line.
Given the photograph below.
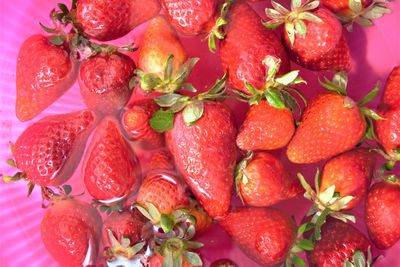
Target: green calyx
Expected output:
[168,82]
[364,16]
[239,175]
[175,250]
[359,259]
[300,245]
[277,90]
[217,32]
[191,107]
[293,19]
[107,209]
[121,248]
[328,202]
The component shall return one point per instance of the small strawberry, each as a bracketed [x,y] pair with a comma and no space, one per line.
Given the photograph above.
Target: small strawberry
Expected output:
[265,235]
[49,150]
[382,214]
[262,180]
[203,221]
[135,121]
[350,173]
[328,118]
[342,6]
[111,170]
[122,233]
[161,160]
[246,45]
[162,61]
[313,37]
[71,231]
[106,20]
[339,242]
[104,82]
[269,123]
[44,72]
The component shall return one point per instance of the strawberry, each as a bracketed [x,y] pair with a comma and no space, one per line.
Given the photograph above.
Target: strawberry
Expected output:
[49,150]
[161,160]
[135,121]
[264,234]
[328,118]
[339,242]
[269,124]
[262,180]
[106,20]
[382,214]
[156,260]
[351,174]
[341,6]
[313,37]
[44,72]
[111,170]
[104,82]
[203,221]
[122,232]
[245,46]
[391,94]
[191,17]
[71,232]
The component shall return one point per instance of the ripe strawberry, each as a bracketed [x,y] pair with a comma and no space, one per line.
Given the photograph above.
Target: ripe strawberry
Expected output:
[383,213]
[264,234]
[48,151]
[135,121]
[262,180]
[341,6]
[106,20]
[350,173]
[156,260]
[203,150]
[104,82]
[339,242]
[245,46]
[111,170]
[191,17]
[71,232]
[314,40]
[391,95]
[161,160]
[44,72]
[328,118]
[203,221]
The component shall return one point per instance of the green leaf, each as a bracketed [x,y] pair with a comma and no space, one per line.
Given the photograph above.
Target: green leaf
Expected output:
[278,7]
[364,22]
[305,227]
[193,258]
[311,5]
[295,4]
[168,260]
[320,221]
[212,46]
[273,64]
[288,78]
[348,264]
[309,17]
[306,244]
[31,186]
[297,261]
[167,223]
[274,98]
[193,112]
[137,247]
[133,82]
[327,195]
[376,12]
[178,106]
[272,13]
[341,79]
[167,100]
[11,162]
[301,28]
[356,6]
[168,67]
[103,208]
[67,189]
[47,29]
[370,96]
[289,28]
[162,121]
[370,113]
[194,245]
[154,213]
[359,259]
[144,212]
[150,81]
[56,40]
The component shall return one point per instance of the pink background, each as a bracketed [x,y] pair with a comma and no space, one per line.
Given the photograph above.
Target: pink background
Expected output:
[375,49]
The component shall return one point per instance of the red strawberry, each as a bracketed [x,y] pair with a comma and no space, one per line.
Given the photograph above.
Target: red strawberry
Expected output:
[245,46]
[104,82]
[339,241]
[48,151]
[340,6]
[191,17]
[156,260]
[135,121]
[264,234]
[161,160]
[205,154]
[383,214]
[71,232]
[315,40]
[44,72]
[111,170]
[262,180]
[350,173]
[106,20]
[391,95]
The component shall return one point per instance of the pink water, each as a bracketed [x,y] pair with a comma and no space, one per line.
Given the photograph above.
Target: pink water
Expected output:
[375,50]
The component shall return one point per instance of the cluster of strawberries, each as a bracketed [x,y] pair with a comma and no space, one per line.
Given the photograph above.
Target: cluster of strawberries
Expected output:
[188,184]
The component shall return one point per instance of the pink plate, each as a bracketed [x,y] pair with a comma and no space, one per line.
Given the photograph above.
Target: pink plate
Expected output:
[375,52]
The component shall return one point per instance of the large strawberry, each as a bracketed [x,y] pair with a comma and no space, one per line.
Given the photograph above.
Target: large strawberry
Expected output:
[104,81]
[44,72]
[266,235]
[269,123]
[313,37]
[382,214]
[262,180]
[111,170]
[339,242]
[107,20]
[48,151]
[246,45]
[71,232]
[135,121]
[330,117]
